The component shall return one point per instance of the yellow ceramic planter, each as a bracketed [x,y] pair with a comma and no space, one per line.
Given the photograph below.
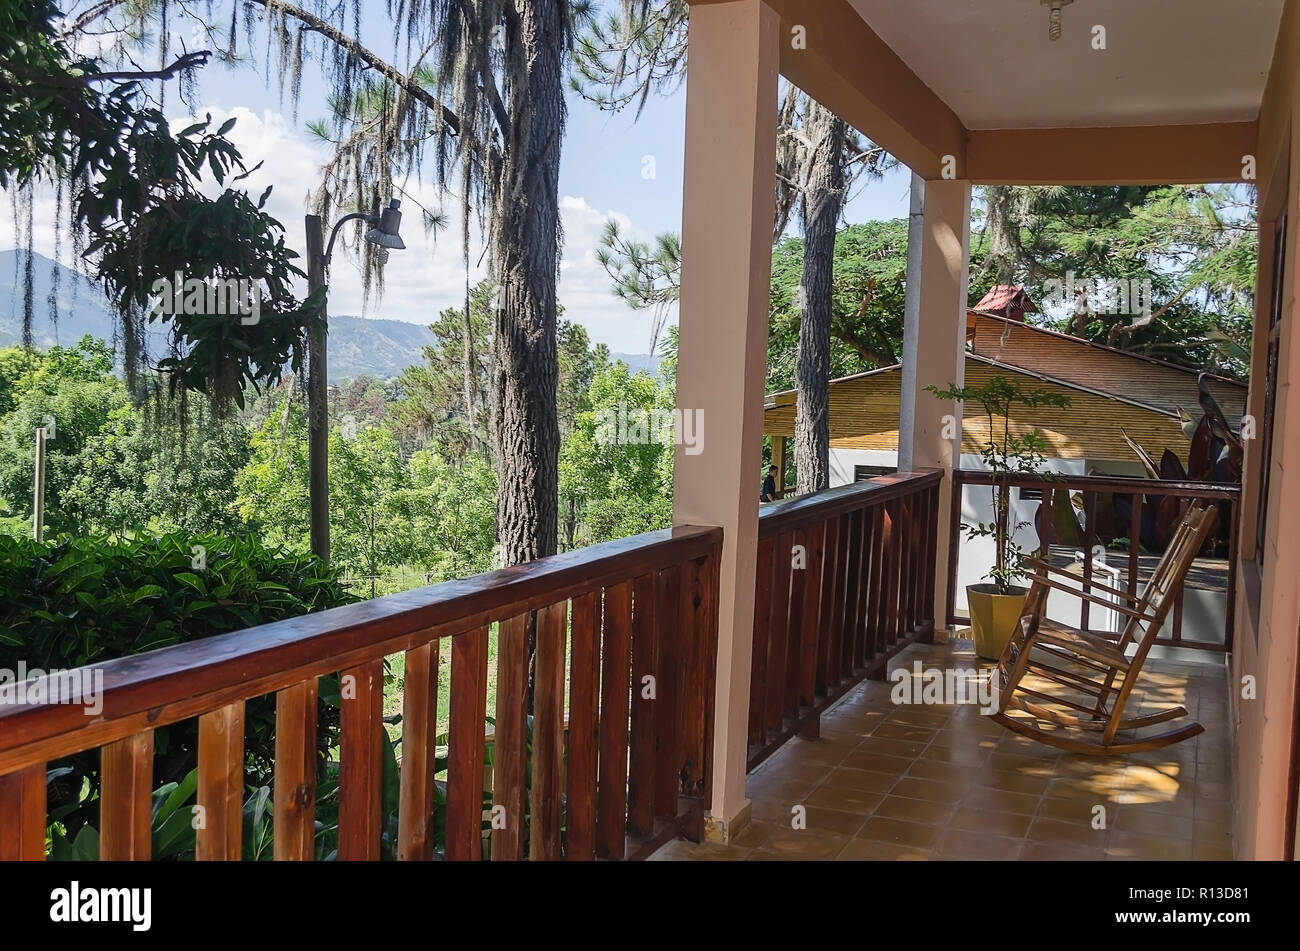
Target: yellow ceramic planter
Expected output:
[993,617]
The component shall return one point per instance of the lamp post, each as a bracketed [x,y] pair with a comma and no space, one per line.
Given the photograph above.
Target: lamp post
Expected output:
[383,232]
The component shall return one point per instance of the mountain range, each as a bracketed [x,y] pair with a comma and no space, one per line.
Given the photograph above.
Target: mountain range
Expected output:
[359,346]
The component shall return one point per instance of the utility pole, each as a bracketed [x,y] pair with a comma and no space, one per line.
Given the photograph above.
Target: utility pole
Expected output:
[383,233]
[318,432]
[38,500]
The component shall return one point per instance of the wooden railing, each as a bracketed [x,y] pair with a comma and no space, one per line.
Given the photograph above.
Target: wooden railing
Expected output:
[636,771]
[1095,492]
[845,580]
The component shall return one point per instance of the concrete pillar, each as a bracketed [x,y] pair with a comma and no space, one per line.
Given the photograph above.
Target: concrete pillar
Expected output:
[727,213]
[934,347]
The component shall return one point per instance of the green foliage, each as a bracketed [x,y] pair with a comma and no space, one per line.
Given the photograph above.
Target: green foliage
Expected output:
[1006,452]
[140,204]
[74,391]
[444,518]
[272,488]
[1197,244]
[618,489]
[365,476]
[867,295]
[85,601]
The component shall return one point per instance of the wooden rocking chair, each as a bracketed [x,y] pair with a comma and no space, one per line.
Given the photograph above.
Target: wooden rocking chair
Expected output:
[1075,659]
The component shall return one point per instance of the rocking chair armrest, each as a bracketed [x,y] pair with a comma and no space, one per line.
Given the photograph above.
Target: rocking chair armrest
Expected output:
[1092,598]
[1090,582]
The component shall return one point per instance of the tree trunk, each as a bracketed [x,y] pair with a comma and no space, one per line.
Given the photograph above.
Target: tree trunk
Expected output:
[823,199]
[467,369]
[526,248]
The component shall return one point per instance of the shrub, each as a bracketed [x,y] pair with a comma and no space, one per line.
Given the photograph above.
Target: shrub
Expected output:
[84,601]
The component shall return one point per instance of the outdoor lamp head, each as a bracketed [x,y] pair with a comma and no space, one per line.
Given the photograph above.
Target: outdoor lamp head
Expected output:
[385,232]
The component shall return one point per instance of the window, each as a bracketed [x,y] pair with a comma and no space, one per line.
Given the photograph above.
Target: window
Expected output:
[1030,495]
[866,473]
[1275,312]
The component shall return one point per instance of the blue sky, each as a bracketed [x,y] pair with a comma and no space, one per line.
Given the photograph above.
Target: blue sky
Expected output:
[601,175]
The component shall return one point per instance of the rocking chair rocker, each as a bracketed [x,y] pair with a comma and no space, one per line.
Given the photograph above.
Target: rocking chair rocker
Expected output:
[1073,659]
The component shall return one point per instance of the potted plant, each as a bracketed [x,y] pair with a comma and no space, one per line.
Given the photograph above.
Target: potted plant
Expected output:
[1008,451]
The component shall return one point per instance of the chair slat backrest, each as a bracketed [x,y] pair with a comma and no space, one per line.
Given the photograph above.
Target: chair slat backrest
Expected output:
[1160,593]
[1158,580]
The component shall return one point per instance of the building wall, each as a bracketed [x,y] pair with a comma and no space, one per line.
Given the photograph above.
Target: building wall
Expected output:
[1268,612]
[864,415]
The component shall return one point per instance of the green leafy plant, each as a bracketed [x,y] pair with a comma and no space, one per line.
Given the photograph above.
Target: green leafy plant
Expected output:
[84,601]
[1008,451]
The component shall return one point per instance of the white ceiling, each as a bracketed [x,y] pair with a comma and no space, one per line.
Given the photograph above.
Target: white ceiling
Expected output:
[1166,62]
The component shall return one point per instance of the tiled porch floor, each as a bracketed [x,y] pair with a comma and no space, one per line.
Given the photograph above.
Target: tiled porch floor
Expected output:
[943,782]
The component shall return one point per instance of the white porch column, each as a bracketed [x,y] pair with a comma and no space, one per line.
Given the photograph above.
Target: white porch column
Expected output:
[934,347]
[727,213]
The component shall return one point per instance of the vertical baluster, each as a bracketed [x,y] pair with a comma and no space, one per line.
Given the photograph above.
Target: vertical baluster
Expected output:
[465,745]
[876,582]
[1089,540]
[126,799]
[295,772]
[584,699]
[812,598]
[861,610]
[1134,543]
[548,735]
[826,602]
[22,815]
[907,574]
[419,743]
[835,606]
[641,760]
[763,596]
[932,560]
[795,636]
[220,794]
[361,762]
[894,567]
[693,754]
[852,595]
[668,621]
[778,642]
[954,542]
[510,738]
[615,686]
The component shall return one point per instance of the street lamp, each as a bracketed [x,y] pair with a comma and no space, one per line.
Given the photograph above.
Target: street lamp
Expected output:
[384,233]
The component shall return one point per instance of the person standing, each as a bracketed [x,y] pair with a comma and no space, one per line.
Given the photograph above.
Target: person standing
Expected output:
[769,486]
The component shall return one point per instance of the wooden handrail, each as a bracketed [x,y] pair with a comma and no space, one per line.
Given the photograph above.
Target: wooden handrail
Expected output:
[1120,484]
[173,683]
[806,509]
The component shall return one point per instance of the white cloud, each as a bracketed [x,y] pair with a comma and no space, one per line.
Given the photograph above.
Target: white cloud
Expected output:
[585,287]
[430,274]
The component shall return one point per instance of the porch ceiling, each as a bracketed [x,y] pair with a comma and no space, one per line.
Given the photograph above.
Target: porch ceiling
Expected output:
[1167,62]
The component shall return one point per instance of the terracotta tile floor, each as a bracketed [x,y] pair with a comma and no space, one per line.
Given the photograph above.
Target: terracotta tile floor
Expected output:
[897,782]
